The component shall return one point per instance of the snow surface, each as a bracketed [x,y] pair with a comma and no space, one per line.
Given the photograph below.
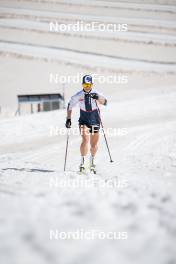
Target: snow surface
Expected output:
[128,36]
[63,55]
[141,200]
[136,194]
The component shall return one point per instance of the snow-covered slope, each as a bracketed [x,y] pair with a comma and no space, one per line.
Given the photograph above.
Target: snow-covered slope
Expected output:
[135,194]
[134,197]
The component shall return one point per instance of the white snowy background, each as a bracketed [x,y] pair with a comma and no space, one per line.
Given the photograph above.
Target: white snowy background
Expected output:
[142,198]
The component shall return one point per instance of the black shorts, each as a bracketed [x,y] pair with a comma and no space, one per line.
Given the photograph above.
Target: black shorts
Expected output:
[92,128]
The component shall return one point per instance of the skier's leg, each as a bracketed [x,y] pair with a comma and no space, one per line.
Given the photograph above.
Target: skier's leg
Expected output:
[94,138]
[85,140]
[94,147]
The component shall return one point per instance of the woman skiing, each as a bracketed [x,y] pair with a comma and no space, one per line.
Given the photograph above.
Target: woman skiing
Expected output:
[89,121]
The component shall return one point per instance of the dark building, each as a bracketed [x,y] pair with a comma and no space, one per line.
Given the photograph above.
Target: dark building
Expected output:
[33,103]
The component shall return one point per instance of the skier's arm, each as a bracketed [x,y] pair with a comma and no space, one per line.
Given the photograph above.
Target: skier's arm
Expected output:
[100,98]
[73,102]
[69,113]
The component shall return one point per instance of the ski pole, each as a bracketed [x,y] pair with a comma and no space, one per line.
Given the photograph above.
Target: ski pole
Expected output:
[66,150]
[104,134]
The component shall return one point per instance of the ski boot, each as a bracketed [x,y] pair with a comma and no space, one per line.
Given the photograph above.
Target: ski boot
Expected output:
[82,168]
[92,165]
[93,168]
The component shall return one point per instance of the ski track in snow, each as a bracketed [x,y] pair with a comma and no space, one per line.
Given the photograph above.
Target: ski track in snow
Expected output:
[142,203]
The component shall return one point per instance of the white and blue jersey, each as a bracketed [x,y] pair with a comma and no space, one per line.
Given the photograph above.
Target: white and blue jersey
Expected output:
[89,114]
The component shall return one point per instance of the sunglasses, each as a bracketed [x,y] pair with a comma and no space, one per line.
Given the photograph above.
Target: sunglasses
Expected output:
[87,85]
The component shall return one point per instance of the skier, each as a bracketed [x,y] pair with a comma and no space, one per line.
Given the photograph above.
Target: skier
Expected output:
[89,121]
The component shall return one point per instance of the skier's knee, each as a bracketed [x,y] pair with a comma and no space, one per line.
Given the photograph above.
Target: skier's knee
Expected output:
[85,140]
[94,146]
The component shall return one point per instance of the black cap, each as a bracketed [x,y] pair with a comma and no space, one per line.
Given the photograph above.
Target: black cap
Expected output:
[87,79]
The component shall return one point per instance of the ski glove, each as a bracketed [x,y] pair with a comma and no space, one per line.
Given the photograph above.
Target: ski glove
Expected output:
[68,123]
[95,96]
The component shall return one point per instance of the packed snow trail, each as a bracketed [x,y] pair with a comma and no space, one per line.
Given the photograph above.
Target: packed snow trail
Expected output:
[135,194]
